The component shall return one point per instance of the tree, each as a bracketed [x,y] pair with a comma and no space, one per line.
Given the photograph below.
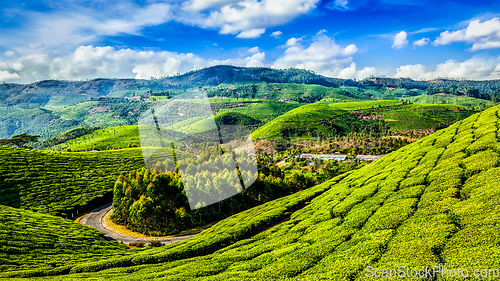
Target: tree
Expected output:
[495,96]
[19,140]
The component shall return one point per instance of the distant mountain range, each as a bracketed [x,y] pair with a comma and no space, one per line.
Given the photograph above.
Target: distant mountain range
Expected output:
[41,92]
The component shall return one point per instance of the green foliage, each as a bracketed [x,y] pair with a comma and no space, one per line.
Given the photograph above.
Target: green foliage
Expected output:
[72,134]
[368,116]
[58,182]
[414,207]
[48,242]
[19,140]
[156,203]
[103,139]
[470,102]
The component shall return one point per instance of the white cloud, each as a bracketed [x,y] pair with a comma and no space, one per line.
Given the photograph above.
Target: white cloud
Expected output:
[276,34]
[424,30]
[253,33]
[292,42]
[232,17]
[251,61]
[93,62]
[9,53]
[253,50]
[352,72]
[36,45]
[7,76]
[71,25]
[400,40]
[199,5]
[341,4]
[422,42]
[483,35]
[474,68]
[323,56]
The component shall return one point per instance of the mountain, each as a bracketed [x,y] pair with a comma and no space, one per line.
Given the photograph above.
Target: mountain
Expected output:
[41,92]
[431,203]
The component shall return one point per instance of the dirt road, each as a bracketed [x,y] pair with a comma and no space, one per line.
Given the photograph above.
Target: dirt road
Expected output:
[95,219]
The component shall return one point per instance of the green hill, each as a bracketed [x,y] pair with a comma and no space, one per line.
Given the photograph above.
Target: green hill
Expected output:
[308,118]
[450,99]
[59,182]
[31,240]
[431,203]
[303,93]
[224,118]
[260,109]
[342,118]
[107,138]
[127,136]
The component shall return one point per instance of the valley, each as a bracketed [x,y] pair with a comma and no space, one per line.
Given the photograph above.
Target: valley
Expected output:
[378,172]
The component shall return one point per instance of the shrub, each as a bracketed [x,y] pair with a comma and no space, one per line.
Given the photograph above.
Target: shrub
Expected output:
[137,244]
[155,243]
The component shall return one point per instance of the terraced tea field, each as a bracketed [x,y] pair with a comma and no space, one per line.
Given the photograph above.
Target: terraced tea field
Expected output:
[431,203]
[58,182]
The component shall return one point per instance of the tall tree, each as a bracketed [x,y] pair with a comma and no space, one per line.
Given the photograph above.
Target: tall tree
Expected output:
[19,140]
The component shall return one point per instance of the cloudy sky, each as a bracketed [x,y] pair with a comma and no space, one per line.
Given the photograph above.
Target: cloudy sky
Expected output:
[421,39]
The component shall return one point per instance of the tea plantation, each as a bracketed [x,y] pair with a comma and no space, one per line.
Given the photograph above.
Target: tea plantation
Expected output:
[30,240]
[431,203]
[341,118]
[57,182]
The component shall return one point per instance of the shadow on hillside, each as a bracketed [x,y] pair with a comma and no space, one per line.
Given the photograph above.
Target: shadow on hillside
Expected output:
[9,194]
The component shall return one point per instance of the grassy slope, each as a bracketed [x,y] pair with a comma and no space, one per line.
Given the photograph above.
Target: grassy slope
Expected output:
[123,136]
[263,110]
[402,117]
[54,182]
[450,99]
[290,91]
[434,202]
[31,240]
[120,136]
[310,115]
[424,116]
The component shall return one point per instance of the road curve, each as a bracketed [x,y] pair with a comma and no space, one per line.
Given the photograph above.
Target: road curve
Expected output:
[95,219]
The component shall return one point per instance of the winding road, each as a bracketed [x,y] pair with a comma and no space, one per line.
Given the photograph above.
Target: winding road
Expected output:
[96,220]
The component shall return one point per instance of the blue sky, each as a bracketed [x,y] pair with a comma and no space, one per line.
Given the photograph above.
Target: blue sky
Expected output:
[338,38]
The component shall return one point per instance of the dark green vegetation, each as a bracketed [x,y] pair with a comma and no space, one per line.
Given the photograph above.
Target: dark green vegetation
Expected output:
[156,204]
[433,202]
[19,140]
[282,91]
[31,240]
[60,182]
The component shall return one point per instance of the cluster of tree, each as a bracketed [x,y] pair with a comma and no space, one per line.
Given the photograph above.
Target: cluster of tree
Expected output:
[19,140]
[161,94]
[124,108]
[463,91]
[242,91]
[347,123]
[157,202]
[406,83]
